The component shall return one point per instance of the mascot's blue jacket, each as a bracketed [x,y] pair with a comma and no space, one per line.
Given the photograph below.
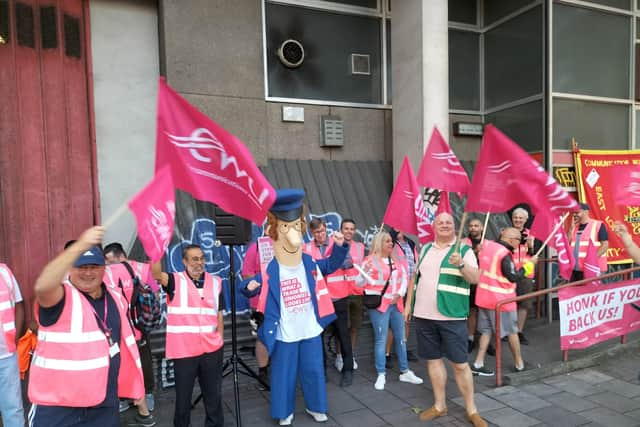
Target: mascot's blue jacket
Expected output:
[267,331]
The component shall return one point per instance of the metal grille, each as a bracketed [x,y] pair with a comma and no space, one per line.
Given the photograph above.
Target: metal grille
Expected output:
[72,45]
[24,22]
[48,27]
[332,134]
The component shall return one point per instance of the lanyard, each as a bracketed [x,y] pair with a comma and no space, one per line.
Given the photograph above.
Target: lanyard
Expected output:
[102,323]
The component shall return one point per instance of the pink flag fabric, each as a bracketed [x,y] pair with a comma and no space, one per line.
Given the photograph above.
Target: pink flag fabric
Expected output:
[207,161]
[506,175]
[440,167]
[627,188]
[444,205]
[591,266]
[155,211]
[543,225]
[406,211]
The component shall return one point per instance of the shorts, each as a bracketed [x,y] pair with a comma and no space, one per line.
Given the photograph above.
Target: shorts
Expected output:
[355,311]
[525,286]
[442,338]
[472,296]
[487,322]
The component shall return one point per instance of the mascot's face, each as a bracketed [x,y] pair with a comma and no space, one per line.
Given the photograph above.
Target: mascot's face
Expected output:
[288,245]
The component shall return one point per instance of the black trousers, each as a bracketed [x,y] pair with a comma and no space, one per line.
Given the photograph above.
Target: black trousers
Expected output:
[341,324]
[144,347]
[208,369]
[576,275]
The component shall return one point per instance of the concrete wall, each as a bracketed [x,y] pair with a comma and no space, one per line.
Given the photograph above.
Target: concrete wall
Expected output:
[124,48]
[213,56]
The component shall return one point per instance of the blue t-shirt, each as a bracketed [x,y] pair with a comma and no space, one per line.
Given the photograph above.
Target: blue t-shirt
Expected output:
[94,416]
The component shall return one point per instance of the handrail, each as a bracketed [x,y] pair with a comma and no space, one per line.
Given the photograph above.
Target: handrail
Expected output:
[536,294]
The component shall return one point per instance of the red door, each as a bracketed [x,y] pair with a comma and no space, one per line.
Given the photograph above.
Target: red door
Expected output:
[47,156]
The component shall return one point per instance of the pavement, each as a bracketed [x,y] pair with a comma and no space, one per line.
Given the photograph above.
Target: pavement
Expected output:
[597,387]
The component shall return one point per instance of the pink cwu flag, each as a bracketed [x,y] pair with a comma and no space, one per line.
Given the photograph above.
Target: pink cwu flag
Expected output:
[444,205]
[406,211]
[440,167]
[155,211]
[543,224]
[506,175]
[207,161]
[627,189]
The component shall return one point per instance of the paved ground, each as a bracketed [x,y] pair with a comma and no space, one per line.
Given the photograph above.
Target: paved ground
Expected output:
[606,394]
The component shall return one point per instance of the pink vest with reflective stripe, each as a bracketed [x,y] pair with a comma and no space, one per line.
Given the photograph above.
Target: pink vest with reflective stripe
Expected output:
[311,249]
[397,282]
[192,317]
[492,285]
[118,272]
[7,307]
[342,282]
[70,365]
[590,233]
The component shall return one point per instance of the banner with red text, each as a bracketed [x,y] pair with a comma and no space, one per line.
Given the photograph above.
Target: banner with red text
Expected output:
[593,313]
[597,173]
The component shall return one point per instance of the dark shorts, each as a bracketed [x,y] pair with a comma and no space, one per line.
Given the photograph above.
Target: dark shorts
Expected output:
[525,286]
[442,338]
[472,296]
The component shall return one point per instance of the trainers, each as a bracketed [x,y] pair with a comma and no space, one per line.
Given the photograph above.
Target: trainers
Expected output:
[411,356]
[410,377]
[347,379]
[522,368]
[142,421]
[339,364]
[432,413]
[151,401]
[317,416]
[387,362]
[483,371]
[523,339]
[286,421]
[476,420]
[124,405]
[355,364]
[380,382]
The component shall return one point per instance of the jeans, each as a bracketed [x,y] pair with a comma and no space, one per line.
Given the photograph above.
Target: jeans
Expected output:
[380,322]
[11,392]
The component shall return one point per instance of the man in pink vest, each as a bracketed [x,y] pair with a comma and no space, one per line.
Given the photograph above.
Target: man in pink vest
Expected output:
[12,327]
[194,335]
[585,230]
[114,254]
[498,278]
[86,357]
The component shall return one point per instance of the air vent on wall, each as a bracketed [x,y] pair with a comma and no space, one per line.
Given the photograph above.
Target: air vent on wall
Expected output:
[331,131]
[360,64]
[291,53]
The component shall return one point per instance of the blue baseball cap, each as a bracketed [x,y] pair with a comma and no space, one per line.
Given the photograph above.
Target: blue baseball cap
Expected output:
[583,206]
[288,204]
[93,256]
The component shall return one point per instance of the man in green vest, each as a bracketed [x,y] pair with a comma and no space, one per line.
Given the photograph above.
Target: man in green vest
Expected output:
[440,304]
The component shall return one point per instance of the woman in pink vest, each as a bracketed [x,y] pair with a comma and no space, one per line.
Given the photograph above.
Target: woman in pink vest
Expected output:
[86,356]
[388,278]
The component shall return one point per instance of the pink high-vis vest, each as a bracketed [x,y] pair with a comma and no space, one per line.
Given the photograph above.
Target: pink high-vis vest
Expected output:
[192,317]
[398,252]
[590,232]
[397,282]
[310,248]
[118,272]
[7,307]
[342,282]
[70,365]
[492,285]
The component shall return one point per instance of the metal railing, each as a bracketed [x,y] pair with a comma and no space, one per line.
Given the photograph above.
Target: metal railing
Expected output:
[539,294]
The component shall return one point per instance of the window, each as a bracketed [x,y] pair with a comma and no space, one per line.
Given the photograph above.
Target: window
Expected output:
[464,70]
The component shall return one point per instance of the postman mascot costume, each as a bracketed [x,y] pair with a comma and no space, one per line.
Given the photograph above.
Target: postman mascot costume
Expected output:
[297,307]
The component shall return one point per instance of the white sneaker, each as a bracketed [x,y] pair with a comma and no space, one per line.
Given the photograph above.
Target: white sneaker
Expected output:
[410,377]
[286,421]
[380,382]
[317,416]
[339,363]
[355,364]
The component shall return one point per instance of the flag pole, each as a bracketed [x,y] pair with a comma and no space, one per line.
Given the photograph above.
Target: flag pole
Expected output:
[462,221]
[552,233]
[484,228]
[116,215]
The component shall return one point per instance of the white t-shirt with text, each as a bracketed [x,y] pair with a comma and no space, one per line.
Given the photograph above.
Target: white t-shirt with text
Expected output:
[297,316]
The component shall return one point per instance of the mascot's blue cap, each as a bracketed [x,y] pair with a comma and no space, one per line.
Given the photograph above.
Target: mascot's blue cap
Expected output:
[288,204]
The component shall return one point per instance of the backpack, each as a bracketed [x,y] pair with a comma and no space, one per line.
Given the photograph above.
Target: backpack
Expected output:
[146,311]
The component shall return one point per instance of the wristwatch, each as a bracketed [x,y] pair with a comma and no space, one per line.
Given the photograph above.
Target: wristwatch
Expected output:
[461,266]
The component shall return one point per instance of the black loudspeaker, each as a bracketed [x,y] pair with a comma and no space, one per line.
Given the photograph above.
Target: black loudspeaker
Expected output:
[231,229]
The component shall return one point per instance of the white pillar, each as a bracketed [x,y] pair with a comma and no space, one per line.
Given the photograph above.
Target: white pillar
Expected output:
[420,73]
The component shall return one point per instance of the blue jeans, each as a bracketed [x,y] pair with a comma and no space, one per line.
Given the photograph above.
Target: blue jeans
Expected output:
[11,401]
[380,322]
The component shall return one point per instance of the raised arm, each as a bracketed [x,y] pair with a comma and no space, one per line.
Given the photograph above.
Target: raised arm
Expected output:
[48,287]
[160,276]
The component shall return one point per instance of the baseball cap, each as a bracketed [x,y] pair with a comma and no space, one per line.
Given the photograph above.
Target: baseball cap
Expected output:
[92,256]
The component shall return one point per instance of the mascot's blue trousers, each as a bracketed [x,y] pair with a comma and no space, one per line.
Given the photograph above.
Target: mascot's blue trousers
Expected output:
[293,360]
